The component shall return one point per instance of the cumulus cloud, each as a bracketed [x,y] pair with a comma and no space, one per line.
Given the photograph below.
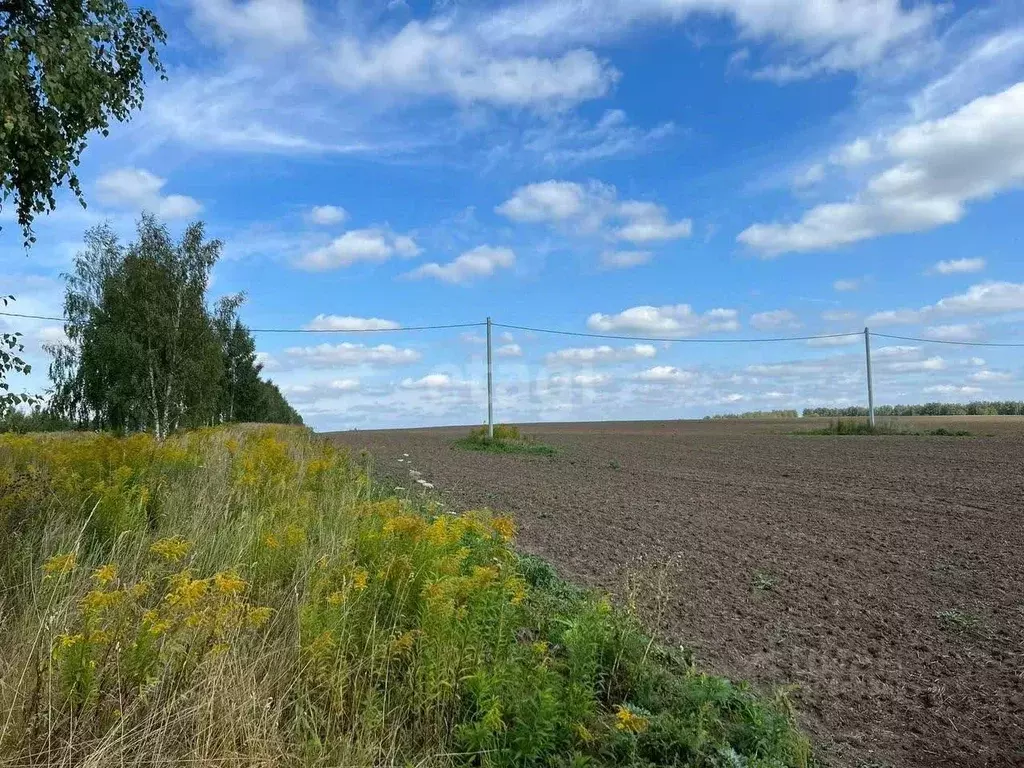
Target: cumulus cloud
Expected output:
[140,189]
[509,350]
[434,381]
[588,208]
[583,380]
[327,215]
[939,166]
[426,60]
[855,153]
[954,332]
[672,320]
[774,319]
[959,266]
[307,393]
[602,355]
[482,261]
[373,245]
[349,323]
[665,374]
[951,389]
[277,23]
[998,377]
[347,354]
[992,298]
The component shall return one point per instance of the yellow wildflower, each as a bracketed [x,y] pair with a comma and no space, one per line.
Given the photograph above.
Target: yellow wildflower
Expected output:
[626,719]
[68,641]
[171,549]
[360,577]
[105,574]
[60,564]
[271,541]
[259,616]
[336,598]
[228,583]
[504,527]
[98,600]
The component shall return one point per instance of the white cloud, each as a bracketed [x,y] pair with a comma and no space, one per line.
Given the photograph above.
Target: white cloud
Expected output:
[648,223]
[624,259]
[509,350]
[348,354]
[138,188]
[836,341]
[776,318]
[992,376]
[349,323]
[307,393]
[434,381]
[587,208]
[992,298]
[839,316]
[959,266]
[950,389]
[327,214]
[277,23]
[824,36]
[848,284]
[940,166]
[603,354]
[583,380]
[954,332]
[677,320]
[569,140]
[482,261]
[552,201]
[428,60]
[664,374]
[809,176]
[371,245]
[855,153]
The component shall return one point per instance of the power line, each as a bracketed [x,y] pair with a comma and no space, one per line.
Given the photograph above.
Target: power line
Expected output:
[675,339]
[585,335]
[950,341]
[300,330]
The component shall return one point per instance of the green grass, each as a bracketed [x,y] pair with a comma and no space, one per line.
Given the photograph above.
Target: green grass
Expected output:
[960,621]
[862,427]
[507,439]
[239,597]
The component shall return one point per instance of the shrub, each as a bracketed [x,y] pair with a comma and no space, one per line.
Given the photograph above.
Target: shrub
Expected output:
[247,595]
[507,439]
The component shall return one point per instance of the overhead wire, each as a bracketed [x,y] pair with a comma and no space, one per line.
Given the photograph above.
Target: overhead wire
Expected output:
[589,335]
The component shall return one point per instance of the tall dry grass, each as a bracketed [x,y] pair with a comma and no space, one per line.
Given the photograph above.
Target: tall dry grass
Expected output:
[243,597]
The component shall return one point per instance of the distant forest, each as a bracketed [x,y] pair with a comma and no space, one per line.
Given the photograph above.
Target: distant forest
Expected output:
[978,408]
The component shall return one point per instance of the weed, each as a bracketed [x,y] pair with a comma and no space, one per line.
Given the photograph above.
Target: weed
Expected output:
[955,619]
[614,464]
[763,581]
[507,439]
[859,427]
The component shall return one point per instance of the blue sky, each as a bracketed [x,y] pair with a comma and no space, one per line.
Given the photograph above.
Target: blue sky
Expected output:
[669,168]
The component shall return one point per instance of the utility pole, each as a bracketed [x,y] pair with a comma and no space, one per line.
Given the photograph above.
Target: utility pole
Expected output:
[871,390]
[490,385]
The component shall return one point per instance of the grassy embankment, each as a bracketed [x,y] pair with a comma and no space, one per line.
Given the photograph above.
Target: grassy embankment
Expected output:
[245,596]
[886,427]
[507,439]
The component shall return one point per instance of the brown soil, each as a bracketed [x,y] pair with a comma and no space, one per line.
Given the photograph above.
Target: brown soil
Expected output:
[828,563]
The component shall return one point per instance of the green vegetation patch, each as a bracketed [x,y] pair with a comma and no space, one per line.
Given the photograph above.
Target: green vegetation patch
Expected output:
[507,439]
[859,427]
[248,596]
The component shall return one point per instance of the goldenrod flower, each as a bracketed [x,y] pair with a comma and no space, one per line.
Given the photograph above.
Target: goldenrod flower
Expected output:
[629,720]
[58,565]
[171,549]
[105,574]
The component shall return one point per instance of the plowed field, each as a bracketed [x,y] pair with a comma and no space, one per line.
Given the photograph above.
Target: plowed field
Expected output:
[884,576]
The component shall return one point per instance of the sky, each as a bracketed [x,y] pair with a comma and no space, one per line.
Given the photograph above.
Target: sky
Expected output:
[673,169]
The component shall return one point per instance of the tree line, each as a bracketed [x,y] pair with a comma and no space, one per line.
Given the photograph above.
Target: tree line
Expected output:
[145,351]
[977,408]
[775,414]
